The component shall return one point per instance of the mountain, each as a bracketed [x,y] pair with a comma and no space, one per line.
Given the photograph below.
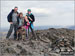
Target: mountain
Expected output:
[49,42]
[71,27]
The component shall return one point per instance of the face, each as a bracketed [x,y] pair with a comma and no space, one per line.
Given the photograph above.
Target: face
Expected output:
[15,9]
[29,12]
[21,15]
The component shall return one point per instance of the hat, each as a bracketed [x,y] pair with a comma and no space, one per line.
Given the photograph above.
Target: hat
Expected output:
[29,10]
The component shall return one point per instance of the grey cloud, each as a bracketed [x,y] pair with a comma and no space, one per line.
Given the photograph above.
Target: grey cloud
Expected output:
[61,10]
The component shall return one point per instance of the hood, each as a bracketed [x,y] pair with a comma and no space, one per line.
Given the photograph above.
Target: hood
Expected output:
[12,10]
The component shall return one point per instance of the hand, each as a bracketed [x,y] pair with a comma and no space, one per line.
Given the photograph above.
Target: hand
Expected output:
[26,19]
[28,23]
[11,22]
[31,20]
[17,14]
[22,26]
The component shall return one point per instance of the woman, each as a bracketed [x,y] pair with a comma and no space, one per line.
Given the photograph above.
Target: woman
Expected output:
[20,20]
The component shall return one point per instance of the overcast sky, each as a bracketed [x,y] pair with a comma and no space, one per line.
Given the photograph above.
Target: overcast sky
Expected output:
[58,13]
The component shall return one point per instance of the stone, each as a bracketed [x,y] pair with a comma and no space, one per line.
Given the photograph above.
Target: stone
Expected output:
[10,50]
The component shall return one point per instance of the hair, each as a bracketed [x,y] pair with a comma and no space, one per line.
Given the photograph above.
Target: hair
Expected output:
[15,7]
[20,14]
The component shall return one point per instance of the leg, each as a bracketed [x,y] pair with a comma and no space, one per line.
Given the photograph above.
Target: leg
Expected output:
[17,35]
[15,31]
[27,33]
[28,30]
[34,34]
[10,31]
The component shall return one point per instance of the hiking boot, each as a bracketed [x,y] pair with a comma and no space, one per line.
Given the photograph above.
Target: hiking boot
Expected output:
[15,38]
[7,38]
[27,38]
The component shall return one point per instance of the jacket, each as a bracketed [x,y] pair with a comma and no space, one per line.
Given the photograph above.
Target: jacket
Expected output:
[19,21]
[32,17]
[9,17]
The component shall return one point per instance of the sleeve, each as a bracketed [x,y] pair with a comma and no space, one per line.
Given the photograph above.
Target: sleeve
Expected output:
[33,18]
[18,20]
[9,17]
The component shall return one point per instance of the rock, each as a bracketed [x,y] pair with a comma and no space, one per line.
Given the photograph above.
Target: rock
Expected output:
[54,54]
[10,50]
[25,52]
[19,46]
[45,54]
[48,40]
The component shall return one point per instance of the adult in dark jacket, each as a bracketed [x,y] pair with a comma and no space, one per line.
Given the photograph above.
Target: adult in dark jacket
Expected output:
[31,19]
[12,19]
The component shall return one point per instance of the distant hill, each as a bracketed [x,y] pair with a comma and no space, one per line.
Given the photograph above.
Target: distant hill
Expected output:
[71,27]
[42,28]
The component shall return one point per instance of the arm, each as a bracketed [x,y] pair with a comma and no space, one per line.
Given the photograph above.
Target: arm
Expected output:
[18,20]
[33,18]
[26,19]
[9,18]
[30,18]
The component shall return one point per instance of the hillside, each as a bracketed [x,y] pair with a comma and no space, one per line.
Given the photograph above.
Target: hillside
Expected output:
[47,43]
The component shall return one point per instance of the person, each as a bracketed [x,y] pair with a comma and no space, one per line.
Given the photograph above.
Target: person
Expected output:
[23,22]
[31,19]
[12,19]
[20,21]
[26,26]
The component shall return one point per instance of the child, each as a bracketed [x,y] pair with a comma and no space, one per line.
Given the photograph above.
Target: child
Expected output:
[27,23]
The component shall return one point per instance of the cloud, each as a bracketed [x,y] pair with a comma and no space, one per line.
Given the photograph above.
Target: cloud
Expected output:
[43,12]
[46,12]
[40,10]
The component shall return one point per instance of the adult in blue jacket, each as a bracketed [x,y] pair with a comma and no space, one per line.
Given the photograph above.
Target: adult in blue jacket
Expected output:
[12,19]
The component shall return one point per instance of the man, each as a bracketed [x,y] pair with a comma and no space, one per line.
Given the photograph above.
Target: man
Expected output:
[31,19]
[12,19]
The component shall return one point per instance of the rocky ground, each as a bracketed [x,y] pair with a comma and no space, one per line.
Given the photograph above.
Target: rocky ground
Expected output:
[49,42]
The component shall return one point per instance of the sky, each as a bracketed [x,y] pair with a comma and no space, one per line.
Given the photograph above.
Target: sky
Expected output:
[47,13]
